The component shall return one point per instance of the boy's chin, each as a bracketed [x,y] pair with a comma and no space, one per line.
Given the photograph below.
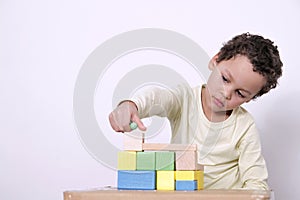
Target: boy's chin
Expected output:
[224,111]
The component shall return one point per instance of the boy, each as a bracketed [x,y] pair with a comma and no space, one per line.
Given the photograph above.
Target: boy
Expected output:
[211,115]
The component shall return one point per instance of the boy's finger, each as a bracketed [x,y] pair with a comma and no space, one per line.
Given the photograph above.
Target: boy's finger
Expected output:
[114,123]
[139,123]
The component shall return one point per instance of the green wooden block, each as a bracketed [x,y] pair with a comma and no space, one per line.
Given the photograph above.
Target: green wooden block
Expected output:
[165,161]
[145,161]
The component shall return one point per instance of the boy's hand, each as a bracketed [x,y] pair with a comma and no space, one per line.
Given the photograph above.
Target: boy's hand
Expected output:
[121,117]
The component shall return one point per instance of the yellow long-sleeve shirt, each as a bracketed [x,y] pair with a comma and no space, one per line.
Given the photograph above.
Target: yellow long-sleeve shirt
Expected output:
[229,150]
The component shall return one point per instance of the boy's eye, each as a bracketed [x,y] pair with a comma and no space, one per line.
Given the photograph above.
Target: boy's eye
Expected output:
[240,94]
[224,79]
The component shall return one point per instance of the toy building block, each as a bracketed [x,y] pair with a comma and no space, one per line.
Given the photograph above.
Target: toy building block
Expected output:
[186,175]
[136,180]
[165,161]
[196,175]
[199,167]
[145,161]
[133,141]
[187,160]
[169,147]
[186,185]
[126,160]
[165,180]
[200,179]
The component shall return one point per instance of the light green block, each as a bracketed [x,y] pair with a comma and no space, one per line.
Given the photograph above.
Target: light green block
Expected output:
[145,161]
[165,161]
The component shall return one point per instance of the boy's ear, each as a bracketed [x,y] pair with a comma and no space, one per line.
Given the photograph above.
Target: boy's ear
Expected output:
[213,62]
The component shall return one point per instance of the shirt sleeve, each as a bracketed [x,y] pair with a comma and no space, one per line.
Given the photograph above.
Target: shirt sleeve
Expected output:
[160,101]
[252,166]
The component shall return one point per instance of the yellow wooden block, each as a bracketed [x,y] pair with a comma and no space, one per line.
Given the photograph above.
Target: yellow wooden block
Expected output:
[165,180]
[200,179]
[186,175]
[126,160]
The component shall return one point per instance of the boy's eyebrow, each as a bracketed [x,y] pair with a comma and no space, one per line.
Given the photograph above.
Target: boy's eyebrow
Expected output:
[230,77]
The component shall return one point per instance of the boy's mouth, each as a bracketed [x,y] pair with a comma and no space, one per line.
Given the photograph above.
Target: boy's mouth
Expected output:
[218,102]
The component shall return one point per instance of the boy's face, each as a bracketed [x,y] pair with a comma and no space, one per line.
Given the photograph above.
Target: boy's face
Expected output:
[231,83]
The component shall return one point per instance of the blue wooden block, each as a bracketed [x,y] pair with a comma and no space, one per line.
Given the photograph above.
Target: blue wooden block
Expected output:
[186,185]
[136,180]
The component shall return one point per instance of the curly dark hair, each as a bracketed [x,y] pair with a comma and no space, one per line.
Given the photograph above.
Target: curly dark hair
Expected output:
[263,55]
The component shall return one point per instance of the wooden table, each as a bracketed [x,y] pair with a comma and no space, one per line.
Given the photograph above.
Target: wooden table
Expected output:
[113,194]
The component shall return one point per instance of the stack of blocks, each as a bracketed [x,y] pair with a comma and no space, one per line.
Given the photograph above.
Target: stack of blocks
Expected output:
[152,166]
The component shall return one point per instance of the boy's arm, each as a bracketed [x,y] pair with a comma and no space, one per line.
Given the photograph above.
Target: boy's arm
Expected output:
[252,165]
[154,101]
[158,101]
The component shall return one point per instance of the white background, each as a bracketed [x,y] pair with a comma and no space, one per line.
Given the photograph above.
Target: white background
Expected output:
[44,43]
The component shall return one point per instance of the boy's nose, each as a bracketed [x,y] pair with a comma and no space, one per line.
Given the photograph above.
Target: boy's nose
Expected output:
[227,93]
